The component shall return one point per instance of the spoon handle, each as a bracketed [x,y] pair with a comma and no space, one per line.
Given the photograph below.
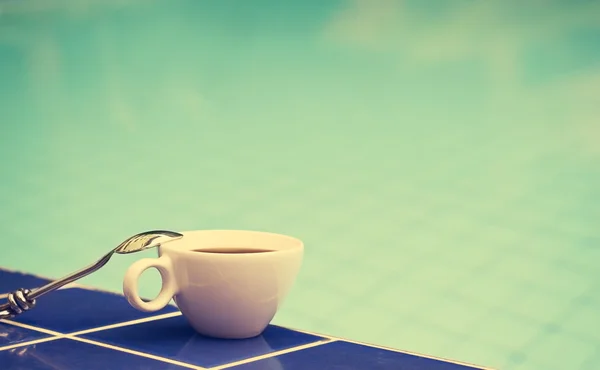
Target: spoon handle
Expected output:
[24,299]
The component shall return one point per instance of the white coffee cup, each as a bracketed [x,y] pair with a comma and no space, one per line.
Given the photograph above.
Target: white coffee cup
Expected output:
[222,293]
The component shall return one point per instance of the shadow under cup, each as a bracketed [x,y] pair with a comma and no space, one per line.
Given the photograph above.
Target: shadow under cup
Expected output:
[227,283]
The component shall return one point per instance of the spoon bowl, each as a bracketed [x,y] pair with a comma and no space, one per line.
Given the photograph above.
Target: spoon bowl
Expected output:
[146,240]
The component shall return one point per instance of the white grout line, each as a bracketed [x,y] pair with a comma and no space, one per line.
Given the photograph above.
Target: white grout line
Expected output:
[57,335]
[24,344]
[30,327]
[273,354]
[132,352]
[475,367]
[127,323]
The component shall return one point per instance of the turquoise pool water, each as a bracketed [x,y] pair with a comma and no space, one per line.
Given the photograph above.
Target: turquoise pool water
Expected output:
[441,160]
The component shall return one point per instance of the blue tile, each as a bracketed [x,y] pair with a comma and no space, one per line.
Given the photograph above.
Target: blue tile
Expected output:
[344,355]
[173,338]
[10,334]
[11,281]
[75,309]
[68,354]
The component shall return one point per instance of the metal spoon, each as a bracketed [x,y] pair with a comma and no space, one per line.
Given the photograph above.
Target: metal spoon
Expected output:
[23,299]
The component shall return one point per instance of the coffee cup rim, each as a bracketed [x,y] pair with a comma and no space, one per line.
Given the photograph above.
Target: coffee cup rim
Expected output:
[290,243]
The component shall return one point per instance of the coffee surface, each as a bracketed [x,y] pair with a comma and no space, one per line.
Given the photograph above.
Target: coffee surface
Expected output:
[232,250]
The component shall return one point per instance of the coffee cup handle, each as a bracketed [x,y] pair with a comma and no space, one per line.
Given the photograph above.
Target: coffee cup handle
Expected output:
[169,285]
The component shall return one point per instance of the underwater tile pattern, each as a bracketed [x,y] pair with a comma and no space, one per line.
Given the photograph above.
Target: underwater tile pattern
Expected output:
[168,342]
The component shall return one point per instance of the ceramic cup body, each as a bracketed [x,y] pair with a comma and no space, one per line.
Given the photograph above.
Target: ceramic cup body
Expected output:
[223,295]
